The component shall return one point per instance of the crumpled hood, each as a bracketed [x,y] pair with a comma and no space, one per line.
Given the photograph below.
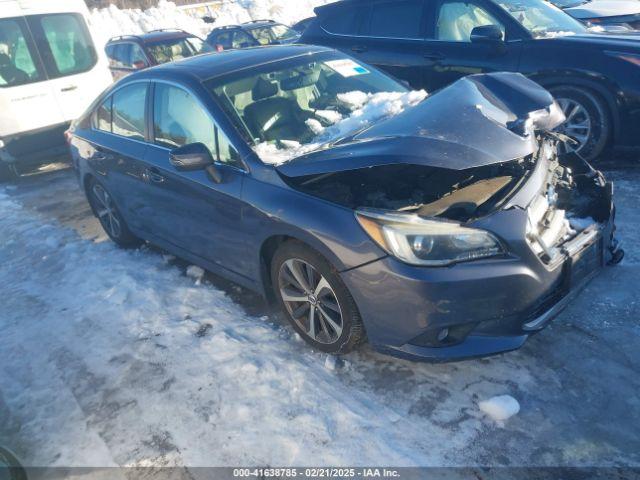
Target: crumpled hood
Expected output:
[479,120]
[605,8]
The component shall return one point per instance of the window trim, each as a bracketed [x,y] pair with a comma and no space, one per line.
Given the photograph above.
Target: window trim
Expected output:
[110,96]
[150,124]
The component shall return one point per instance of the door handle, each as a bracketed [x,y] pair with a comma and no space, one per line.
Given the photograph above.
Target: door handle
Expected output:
[153,174]
[359,49]
[99,154]
[434,56]
[70,88]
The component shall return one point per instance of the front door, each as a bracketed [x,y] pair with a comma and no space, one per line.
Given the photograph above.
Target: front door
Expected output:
[451,51]
[189,209]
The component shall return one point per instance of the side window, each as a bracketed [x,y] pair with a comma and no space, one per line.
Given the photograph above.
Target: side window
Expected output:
[179,120]
[242,40]
[65,42]
[101,119]
[129,105]
[138,59]
[345,21]
[400,19]
[226,153]
[17,64]
[456,20]
[223,39]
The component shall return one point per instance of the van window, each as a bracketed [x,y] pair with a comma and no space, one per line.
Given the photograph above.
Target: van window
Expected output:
[17,54]
[129,105]
[400,19]
[64,42]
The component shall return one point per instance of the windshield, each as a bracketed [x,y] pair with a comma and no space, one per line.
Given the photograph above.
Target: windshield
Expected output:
[273,34]
[294,106]
[541,18]
[176,49]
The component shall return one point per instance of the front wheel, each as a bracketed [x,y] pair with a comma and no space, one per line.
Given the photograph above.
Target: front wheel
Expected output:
[315,300]
[587,123]
[105,209]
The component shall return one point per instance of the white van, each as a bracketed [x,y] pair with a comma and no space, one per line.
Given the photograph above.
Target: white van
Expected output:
[50,71]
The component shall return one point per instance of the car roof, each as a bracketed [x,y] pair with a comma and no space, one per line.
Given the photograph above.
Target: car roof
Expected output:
[205,67]
[153,36]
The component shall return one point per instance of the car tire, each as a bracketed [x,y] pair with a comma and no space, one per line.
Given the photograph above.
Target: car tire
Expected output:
[108,214]
[337,325]
[585,111]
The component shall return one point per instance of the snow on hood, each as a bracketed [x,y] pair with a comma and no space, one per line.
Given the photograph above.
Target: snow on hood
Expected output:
[605,8]
[366,110]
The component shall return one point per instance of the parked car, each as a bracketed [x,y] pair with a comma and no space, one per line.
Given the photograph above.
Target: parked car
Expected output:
[129,53]
[251,34]
[49,73]
[594,77]
[449,230]
[605,13]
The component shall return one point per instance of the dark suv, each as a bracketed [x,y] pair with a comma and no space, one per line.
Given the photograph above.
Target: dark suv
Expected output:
[129,53]
[431,43]
[251,34]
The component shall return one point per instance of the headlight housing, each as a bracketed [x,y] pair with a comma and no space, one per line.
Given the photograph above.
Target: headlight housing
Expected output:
[419,241]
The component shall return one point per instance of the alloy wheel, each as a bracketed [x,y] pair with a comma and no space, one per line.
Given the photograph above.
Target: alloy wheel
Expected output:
[310,301]
[577,125]
[106,211]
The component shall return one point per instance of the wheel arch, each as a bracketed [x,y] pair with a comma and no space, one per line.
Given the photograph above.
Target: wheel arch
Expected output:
[597,87]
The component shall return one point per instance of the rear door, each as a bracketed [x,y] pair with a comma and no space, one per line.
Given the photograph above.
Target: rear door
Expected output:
[451,53]
[76,71]
[27,101]
[392,39]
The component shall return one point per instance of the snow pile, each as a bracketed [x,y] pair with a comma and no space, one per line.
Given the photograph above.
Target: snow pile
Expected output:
[112,21]
[500,408]
[366,109]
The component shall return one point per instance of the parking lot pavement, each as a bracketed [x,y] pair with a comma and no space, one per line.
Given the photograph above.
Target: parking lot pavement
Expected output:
[152,369]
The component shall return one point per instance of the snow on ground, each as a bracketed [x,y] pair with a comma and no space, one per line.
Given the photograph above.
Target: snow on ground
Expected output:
[500,408]
[113,357]
[112,21]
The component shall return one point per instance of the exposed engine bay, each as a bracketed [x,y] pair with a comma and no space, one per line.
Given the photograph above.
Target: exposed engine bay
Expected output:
[427,191]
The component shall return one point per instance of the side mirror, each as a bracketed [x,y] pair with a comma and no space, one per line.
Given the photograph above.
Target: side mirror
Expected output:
[195,156]
[487,35]
[208,19]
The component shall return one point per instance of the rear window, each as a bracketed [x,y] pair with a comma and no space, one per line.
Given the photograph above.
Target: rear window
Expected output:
[400,19]
[128,111]
[64,43]
[17,54]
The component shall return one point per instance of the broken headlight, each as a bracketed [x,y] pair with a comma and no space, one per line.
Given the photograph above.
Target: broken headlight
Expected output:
[419,241]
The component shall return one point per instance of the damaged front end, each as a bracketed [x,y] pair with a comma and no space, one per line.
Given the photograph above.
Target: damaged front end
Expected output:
[469,183]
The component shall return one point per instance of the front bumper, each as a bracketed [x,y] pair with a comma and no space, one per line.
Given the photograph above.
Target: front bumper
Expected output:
[485,307]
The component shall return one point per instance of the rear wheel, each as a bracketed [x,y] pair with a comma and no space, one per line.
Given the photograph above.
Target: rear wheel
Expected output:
[109,216]
[588,122]
[315,300]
